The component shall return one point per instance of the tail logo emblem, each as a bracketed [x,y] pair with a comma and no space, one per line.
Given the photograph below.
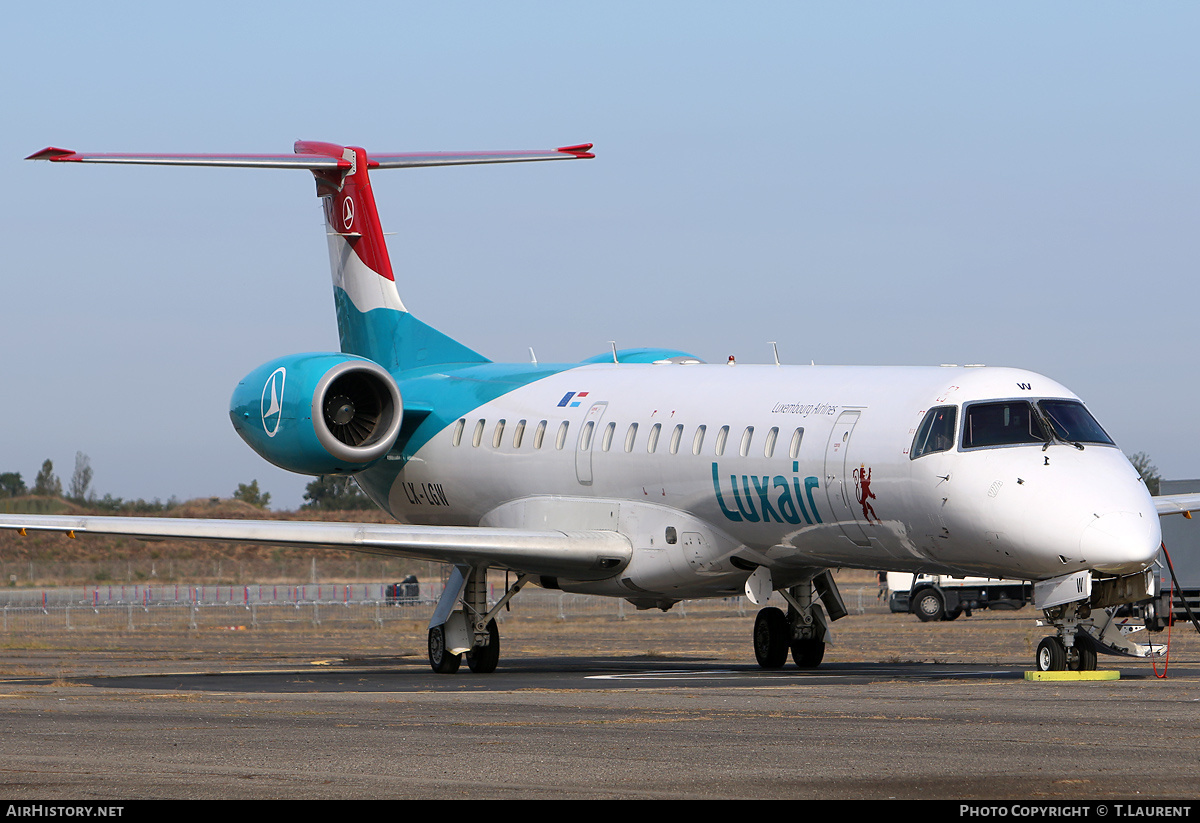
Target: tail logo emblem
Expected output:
[272,401]
[348,213]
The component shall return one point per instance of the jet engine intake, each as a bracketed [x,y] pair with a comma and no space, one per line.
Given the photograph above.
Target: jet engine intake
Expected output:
[318,413]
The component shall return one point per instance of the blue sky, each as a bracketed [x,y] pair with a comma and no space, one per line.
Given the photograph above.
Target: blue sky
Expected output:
[865,183]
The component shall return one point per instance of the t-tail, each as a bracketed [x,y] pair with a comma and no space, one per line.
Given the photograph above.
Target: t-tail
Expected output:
[372,320]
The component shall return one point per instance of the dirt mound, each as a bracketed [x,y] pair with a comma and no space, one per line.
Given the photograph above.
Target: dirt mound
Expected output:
[45,559]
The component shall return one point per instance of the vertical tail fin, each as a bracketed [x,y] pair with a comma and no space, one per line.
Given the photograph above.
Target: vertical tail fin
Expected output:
[357,252]
[372,320]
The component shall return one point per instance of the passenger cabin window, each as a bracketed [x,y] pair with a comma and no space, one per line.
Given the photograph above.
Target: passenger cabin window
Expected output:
[606,441]
[477,435]
[747,436]
[722,436]
[585,437]
[1009,423]
[794,448]
[769,447]
[539,435]
[1074,423]
[458,430]
[630,436]
[561,439]
[652,440]
[698,440]
[518,434]
[936,432]
[496,438]
[676,435]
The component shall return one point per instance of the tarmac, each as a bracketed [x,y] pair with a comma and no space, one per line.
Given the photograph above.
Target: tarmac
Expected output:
[650,707]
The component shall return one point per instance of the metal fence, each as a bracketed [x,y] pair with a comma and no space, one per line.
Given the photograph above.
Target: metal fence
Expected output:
[187,608]
[181,594]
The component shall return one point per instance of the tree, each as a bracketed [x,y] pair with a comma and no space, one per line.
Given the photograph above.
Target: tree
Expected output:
[250,494]
[11,485]
[333,492]
[1149,472]
[81,479]
[47,483]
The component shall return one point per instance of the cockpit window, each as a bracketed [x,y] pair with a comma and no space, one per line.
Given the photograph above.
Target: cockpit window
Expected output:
[1073,423]
[1007,423]
[936,433]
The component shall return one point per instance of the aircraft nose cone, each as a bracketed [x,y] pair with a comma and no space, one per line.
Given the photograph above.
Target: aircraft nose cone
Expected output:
[1121,542]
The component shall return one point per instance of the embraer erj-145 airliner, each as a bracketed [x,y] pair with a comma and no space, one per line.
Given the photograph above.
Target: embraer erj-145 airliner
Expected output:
[648,475]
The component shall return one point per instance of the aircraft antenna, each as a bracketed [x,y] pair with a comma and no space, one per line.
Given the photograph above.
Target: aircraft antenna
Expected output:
[532,356]
[613,343]
[775,348]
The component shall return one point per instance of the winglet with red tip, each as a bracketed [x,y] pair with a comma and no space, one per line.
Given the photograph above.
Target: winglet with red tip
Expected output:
[581,151]
[51,153]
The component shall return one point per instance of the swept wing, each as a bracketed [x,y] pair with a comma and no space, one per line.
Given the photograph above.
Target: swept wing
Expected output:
[577,555]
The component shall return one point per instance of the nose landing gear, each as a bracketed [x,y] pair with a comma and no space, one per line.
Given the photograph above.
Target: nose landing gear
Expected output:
[1088,626]
[1055,656]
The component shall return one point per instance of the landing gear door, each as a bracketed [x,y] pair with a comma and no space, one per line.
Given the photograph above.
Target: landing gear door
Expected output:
[587,439]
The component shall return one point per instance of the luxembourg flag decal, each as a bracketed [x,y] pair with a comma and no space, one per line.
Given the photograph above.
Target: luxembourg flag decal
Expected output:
[568,402]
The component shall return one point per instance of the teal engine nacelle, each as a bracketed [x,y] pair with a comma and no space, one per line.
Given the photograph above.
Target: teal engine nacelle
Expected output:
[318,413]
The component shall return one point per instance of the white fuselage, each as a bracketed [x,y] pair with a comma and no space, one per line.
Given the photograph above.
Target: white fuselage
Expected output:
[662,453]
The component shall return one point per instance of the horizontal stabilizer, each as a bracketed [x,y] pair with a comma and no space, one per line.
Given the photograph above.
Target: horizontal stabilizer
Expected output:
[306,157]
[449,158]
[581,555]
[252,161]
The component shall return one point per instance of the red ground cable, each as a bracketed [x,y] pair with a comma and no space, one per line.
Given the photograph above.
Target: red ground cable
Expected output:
[1170,622]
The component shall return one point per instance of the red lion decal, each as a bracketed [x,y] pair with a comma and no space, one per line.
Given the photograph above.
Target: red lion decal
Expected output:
[862,489]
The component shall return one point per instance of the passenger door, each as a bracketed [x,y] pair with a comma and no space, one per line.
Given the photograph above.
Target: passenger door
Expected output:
[839,479]
[587,441]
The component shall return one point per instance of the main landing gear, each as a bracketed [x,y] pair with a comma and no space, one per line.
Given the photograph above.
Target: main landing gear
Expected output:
[470,631]
[804,630]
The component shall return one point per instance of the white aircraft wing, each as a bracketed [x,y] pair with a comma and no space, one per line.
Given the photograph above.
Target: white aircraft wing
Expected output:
[577,555]
[1177,503]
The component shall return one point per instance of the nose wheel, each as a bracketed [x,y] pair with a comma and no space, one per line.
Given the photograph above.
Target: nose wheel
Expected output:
[1055,656]
[1051,655]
